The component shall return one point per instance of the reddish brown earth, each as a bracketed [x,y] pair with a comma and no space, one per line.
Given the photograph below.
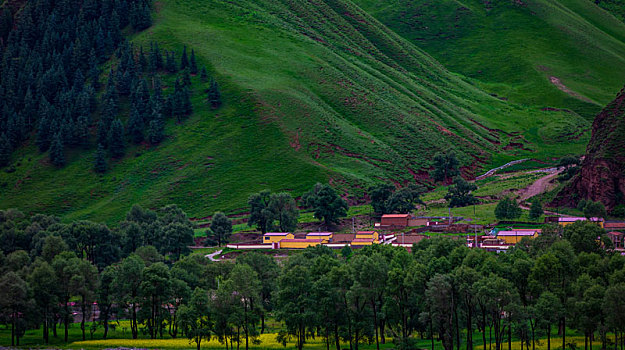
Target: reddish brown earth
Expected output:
[602,175]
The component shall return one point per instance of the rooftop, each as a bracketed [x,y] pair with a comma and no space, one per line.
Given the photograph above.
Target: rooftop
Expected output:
[409,239]
[578,218]
[615,224]
[365,232]
[302,240]
[342,237]
[396,216]
[276,233]
[518,233]
[319,234]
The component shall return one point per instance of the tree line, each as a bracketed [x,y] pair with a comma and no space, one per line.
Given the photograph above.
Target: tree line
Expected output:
[142,271]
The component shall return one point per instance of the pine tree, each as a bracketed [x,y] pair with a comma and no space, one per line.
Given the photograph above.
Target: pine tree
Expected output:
[111,90]
[146,16]
[135,125]
[214,96]
[99,164]
[43,134]
[103,133]
[81,130]
[57,151]
[5,150]
[186,101]
[186,77]
[109,111]
[156,100]
[193,63]
[15,129]
[157,57]
[116,143]
[170,63]
[124,83]
[156,131]
[143,61]
[204,75]
[30,108]
[140,17]
[167,109]
[93,73]
[184,60]
[177,103]
[79,80]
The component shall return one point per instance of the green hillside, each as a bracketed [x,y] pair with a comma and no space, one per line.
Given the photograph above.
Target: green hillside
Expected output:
[313,92]
[548,53]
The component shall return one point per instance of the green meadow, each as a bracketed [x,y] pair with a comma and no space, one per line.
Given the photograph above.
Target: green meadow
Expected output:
[327,92]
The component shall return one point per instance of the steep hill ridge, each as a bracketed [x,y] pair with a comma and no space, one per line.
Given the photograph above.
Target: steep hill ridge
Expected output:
[313,91]
[602,175]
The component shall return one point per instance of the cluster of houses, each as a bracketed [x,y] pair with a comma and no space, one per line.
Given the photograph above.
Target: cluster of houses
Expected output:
[286,240]
[404,230]
[504,239]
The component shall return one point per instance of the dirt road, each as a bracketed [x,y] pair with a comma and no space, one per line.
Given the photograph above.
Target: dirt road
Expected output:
[539,186]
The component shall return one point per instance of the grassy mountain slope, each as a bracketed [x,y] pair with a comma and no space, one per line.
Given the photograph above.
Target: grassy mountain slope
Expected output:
[314,91]
[528,51]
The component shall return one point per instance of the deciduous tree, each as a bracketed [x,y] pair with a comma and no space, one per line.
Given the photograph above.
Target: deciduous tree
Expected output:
[195,318]
[459,194]
[328,206]
[220,228]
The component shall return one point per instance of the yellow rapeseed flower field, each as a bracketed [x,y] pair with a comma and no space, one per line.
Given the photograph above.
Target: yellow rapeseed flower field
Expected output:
[556,342]
[268,341]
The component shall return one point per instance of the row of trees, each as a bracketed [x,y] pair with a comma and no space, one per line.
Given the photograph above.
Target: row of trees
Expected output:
[564,279]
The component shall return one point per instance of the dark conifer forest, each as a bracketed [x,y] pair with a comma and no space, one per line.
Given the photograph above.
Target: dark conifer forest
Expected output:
[55,92]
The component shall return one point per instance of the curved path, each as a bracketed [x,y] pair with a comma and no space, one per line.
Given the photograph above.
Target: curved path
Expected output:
[212,256]
[494,170]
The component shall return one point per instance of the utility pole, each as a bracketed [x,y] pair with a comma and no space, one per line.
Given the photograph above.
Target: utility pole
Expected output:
[475,230]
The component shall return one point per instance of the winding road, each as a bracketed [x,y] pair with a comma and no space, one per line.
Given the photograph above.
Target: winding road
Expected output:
[494,170]
[212,256]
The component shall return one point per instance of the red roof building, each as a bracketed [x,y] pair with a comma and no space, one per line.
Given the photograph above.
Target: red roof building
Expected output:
[395,220]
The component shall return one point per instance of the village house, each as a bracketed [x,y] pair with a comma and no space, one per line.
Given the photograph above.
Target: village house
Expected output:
[345,238]
[406,240]
[515,236]
[565,221]
[398,221]
[617,239]
[395,220]
[326,237]
[298,243]
[372,235]
[275,237]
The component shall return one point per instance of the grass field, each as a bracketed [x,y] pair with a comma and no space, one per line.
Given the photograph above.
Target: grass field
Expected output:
[494,187]
[312,92]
